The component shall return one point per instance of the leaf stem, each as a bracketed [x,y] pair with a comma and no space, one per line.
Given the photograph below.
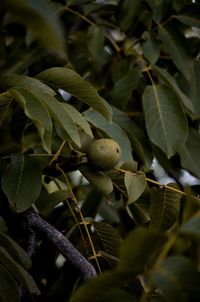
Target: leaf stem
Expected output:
[81,216]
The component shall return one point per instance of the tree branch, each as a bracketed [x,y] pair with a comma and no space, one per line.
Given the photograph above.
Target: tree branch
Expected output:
[40,226]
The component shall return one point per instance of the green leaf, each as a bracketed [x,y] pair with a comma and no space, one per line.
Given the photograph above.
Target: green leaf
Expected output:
[47,204]
[178,280]
[18,271]
[61,115]
[21,187]
[158,8]
[103,286]
[76,2]
[41,20]
[151,47]
[123,88]
[179,4]
[95,43]
[191,228]
[114,131]
[135,185]
[194,87]
[163,115]
[190,19]
[118,181]
[138,139]
[78,118]
[176,46]
[8,287]
[165,206]
[101,181]
[170,81]
[128,12]
[109,237]
[137,214]
[23,81]
[3,226]
[5,102]
[73,83]
[189,153]
[138,249]
[37,112]
[15,250]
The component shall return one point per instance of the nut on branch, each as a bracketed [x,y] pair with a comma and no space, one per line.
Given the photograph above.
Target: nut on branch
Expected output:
[103,154]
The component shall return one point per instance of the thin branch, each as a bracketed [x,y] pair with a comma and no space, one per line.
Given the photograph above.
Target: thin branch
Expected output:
[159,184]
[66,248]
[73,197]
[58,153]
[89,21]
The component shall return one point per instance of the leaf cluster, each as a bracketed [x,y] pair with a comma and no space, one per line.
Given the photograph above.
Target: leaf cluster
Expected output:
[74,71]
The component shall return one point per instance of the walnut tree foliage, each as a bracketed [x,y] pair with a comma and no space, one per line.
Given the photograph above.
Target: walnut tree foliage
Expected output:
[72,71]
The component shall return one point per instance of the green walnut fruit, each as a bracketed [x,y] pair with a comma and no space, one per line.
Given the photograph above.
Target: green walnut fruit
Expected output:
[103,154]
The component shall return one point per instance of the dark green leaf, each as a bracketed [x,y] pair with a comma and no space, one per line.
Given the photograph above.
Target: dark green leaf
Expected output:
[89,207]
[178,280]
[5,102]
[21,187]
[46,205]
[128,12]
[18,272]
[163,114]
[158,8]
[61,115]
[179,4]
[8,287]
[74,84]
[23,81]
[137,214]
[189,153]
[123,88]
[40,19]
[100,180]
[3,226]
[176,46]
[165,206]
[151,48]
[37,112]
[194,87]
[135,185]
[76,2]
[118,180]
[192,227]
[15,250]
[190,20]
[109,237]
[138,139]
[78,118]
[138,249]
[95,39]
[170,81]
[101,286]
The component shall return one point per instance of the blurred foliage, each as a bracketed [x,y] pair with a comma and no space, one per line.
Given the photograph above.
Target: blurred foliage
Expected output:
[77,70]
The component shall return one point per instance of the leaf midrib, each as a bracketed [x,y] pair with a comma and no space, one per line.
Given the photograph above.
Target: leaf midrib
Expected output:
[20,174]
[161,116]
